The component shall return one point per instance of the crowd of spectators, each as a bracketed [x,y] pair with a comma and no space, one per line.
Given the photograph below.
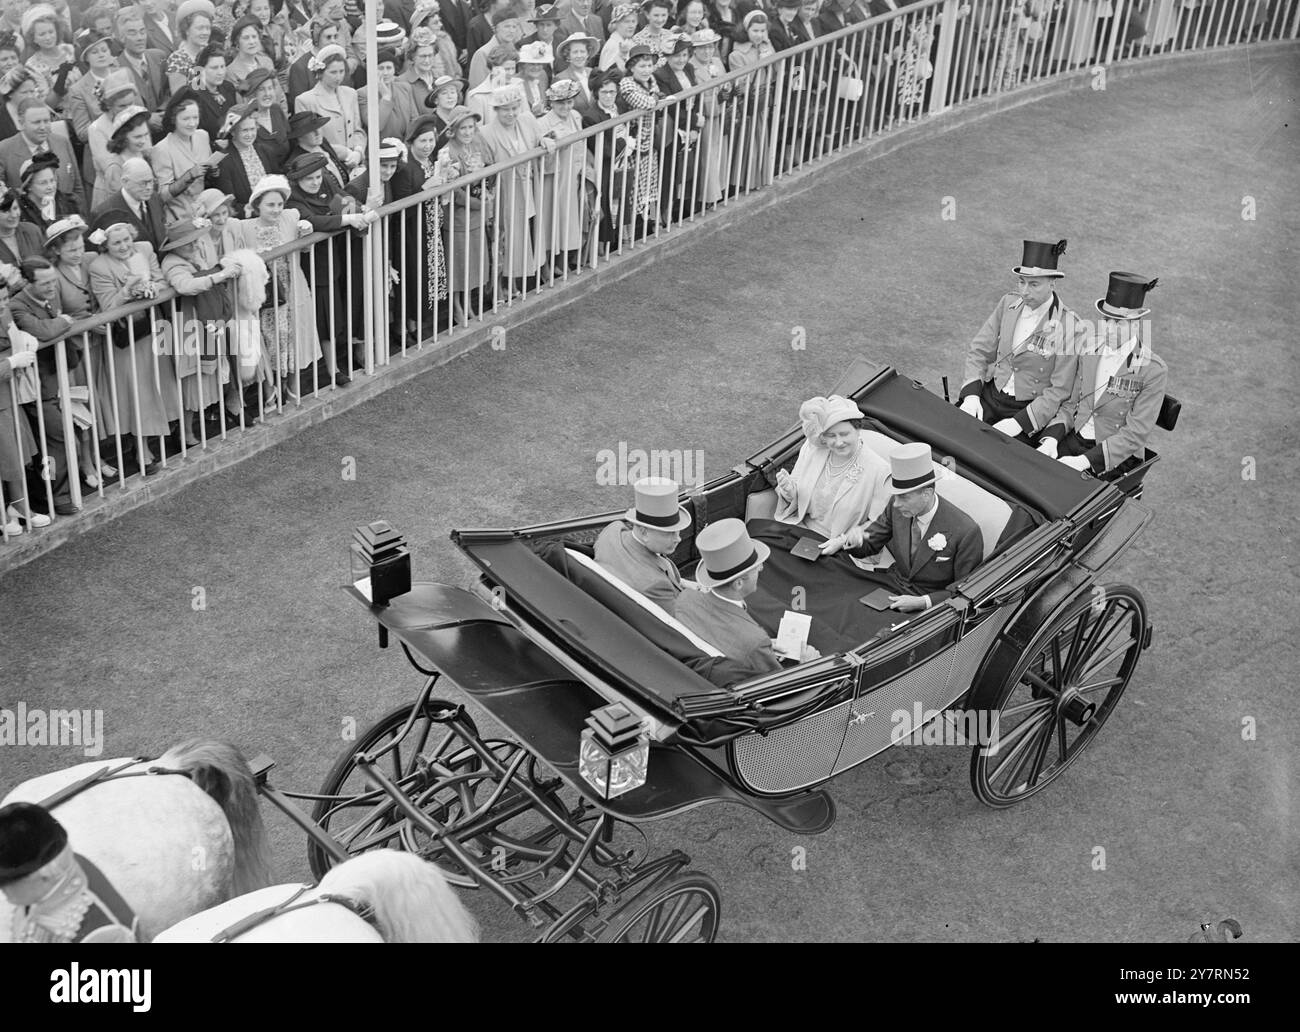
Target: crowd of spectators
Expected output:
[141,145]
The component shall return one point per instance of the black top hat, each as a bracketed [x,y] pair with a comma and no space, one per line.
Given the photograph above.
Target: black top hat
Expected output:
[29,839]
[304,122]
[1040,259]
[1125,296]
[302,165]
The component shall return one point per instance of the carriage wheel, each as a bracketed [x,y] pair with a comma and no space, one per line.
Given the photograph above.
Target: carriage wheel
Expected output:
[360,818]
[683,908]
[1057,696]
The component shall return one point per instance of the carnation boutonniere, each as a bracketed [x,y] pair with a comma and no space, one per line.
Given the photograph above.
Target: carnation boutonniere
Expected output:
[937,543]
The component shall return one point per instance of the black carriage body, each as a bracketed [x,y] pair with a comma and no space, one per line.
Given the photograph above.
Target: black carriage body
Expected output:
[539,647]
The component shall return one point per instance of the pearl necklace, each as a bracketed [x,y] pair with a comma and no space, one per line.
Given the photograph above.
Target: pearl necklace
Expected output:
[836,471]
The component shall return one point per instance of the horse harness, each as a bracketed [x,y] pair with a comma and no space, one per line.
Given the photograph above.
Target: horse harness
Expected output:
[98,913]
[288,906]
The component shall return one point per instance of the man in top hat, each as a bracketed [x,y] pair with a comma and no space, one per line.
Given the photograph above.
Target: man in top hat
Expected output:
[636,549]
[59,896]
[730,562]
[1118,392]
[934,543]
[1020,367]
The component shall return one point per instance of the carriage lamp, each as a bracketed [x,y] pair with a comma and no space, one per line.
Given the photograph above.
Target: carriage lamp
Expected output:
[614,752]
[380,561]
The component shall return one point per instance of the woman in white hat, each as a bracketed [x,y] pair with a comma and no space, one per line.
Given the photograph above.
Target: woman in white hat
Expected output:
[576,51]
[512,132]
[194,27]
[464,154]
[534,65]
[130,139]
[565,208]
[714,104]
[288,317]
[127,270]
[118,92]
[49,49]
[838,480]
[330,98]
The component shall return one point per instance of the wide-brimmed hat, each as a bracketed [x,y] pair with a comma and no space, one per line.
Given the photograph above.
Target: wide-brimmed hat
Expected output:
[671,45]
[304,122]
[302,165]
[576,37]
[1126,295]
[115,83]
[1040,259]
[181,233]
[30,838]
[705,37]
[639,51]
[562,90]
[88,38]
[268,184]
[211,199]
[73,223]
[911,467]
[727,552]
[255,79]
[656,505]
[819,414]
[443,82]
[389,35]
[129,118]
[538,53]
[545,13]
[459,114]
[510,93]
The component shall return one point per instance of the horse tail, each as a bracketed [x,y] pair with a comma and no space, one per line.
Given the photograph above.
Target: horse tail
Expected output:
[222,772]
[411,899]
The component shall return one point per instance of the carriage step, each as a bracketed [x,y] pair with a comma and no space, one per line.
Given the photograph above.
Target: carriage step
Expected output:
[260,766]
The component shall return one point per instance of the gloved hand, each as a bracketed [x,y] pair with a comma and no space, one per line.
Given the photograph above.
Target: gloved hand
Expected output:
[1048,447]
[972,406]
[1007,426]
[1078,462]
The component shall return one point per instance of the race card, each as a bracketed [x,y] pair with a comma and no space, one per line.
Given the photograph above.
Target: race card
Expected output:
[808,549]
[878,599]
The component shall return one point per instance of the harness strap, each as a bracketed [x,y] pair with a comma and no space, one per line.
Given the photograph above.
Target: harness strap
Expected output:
[107,774]
[288,906]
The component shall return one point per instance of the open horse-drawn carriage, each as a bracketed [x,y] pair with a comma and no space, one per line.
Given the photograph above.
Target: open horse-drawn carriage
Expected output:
[548,646]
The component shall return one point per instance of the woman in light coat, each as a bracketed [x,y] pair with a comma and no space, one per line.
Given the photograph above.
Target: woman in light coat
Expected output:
[182,159]
[330,98]
[838,480]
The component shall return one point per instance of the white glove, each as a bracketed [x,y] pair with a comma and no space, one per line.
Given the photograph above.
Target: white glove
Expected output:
[1078,462]
[1048,447]
[972,406]
[785,486]
[1007,426]
[22,359]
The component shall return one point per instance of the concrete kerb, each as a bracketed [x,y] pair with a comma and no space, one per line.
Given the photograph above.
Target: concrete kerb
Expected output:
[221,455]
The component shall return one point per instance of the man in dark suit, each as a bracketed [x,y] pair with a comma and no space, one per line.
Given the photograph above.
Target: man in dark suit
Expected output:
[147,65]
[160,25]
[455,16]
[137,203]
[934,544]
[34,137]
[838,14]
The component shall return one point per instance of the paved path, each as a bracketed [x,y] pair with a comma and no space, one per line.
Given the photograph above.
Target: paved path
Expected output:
[1196,823]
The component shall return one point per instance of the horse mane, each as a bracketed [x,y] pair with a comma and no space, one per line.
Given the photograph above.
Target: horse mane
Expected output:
[411,899]
[222,772]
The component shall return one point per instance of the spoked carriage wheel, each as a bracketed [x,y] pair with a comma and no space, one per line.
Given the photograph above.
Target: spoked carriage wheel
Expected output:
[361,818]
[1056,695]
[683,908]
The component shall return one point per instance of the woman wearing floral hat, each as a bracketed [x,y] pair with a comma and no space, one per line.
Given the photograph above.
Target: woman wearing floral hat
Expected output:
[714,105]
[622,28]
[566,209]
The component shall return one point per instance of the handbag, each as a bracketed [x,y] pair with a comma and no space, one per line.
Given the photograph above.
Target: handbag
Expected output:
[139,324]
[850,87]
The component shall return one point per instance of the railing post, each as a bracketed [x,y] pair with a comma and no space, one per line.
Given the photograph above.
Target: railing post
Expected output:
[943,59]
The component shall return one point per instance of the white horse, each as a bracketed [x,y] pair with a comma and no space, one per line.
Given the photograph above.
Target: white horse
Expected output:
[170,845]
[405,899]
